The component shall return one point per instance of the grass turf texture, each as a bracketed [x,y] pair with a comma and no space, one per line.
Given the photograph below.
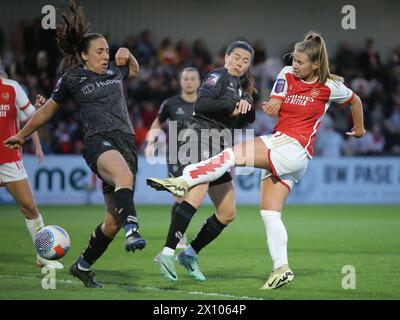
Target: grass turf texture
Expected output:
[322,239]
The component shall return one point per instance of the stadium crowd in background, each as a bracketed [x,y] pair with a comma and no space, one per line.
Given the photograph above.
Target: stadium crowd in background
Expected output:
[32,57]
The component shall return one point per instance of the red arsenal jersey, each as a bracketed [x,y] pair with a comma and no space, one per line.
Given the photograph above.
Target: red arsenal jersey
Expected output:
[305,104]
[13,101]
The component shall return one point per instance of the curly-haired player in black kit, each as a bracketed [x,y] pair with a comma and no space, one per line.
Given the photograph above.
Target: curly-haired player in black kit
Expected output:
[95,85]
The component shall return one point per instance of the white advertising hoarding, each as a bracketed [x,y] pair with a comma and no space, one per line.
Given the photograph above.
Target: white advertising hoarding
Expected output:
[361,180]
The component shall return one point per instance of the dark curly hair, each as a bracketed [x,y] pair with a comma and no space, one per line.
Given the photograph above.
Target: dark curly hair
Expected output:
[73,36]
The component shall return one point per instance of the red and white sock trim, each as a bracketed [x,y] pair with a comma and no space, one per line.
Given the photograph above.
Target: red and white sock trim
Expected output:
[210,169]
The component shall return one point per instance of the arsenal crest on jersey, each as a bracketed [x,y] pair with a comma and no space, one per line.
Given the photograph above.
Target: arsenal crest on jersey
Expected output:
[5,96]
[314,92]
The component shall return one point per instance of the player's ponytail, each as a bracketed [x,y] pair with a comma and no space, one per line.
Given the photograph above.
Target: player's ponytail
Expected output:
[247,80]
[314,47]
[73,37]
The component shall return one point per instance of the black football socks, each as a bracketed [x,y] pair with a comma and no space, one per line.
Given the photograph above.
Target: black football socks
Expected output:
[98,243]
[208,232]
[181,216]
[125,210]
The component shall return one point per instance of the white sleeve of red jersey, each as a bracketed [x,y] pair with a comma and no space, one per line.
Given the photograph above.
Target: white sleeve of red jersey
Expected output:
[279,90]
[22,102]
[339,92]
[21,116]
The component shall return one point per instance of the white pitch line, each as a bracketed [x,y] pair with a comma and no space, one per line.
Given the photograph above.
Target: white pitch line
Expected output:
[200,293]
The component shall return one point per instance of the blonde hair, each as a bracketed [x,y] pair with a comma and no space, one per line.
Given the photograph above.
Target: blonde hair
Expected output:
[314,47]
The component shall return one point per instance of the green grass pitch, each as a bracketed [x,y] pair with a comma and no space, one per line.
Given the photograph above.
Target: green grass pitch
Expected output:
[322,239]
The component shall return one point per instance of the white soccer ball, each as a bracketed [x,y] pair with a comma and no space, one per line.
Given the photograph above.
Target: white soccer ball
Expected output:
[52,242]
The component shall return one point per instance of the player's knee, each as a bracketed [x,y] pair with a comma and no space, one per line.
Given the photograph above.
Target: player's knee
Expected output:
[126,179]
[227,217]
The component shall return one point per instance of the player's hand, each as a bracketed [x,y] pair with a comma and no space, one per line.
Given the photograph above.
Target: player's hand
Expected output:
[14,142]
[40,101]
[242,107]
[272,107]
[39,154]
[356,133]
[122,56]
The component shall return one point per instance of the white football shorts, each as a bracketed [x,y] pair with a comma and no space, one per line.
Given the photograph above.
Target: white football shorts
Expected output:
[287,157]
[12,171]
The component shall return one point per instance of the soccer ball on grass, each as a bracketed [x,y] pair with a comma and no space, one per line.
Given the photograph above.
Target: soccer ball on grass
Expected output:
[52,242]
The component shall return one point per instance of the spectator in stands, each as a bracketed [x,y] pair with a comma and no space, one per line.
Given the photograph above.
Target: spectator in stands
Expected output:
[346,60]
[328,143]
[145,50]
[202,58]
[370,61]
[167,53]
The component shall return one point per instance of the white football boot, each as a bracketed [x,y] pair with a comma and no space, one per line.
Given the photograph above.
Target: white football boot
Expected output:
[279,277]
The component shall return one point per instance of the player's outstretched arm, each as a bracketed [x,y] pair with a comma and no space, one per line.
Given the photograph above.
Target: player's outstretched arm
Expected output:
[38,146]
[123,57]
[40,117]
[358,118]
[151,138]
[40,101]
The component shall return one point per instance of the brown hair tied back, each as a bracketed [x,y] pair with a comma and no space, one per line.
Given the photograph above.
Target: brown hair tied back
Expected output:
[314,47]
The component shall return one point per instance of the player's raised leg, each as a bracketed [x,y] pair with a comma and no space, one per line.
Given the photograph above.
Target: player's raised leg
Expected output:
[251,153]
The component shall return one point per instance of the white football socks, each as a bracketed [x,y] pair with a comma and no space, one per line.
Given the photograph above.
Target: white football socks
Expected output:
[190,251]
[277,237]
[210,169]
[168,251]
[34,226]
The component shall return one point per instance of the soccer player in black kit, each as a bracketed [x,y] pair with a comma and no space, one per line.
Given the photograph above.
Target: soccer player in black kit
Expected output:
[95,86]
[225,97]
[178,110]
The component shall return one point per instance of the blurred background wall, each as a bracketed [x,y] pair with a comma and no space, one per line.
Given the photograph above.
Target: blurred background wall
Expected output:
[277,23]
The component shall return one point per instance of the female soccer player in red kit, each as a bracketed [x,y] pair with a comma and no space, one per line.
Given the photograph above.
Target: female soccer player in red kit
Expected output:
[300,98]
[15,106]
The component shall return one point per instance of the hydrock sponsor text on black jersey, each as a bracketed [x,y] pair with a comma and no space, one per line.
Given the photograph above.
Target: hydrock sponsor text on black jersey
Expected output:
[99,98]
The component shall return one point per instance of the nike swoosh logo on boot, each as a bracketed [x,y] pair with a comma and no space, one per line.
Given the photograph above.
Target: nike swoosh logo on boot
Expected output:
[169,271]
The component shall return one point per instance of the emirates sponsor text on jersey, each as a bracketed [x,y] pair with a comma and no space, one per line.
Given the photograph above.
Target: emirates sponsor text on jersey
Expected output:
[298,100]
